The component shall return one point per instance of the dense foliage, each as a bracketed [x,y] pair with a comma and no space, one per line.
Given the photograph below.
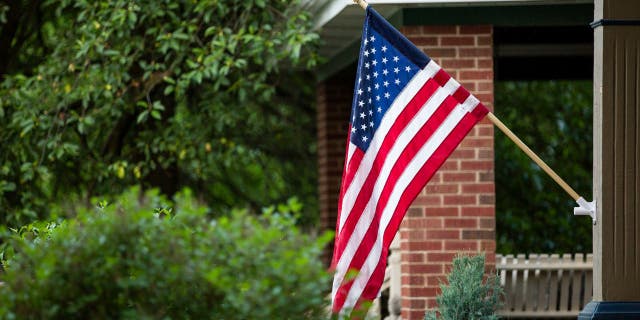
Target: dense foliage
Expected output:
[100,95]
[125,262]
[533,213]
[466,295]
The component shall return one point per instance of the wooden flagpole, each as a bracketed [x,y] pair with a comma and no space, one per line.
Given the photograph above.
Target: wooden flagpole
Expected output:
[533,156]
[518,142]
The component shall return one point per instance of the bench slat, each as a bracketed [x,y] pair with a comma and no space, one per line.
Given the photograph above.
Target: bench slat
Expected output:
[577,285]
[565,278]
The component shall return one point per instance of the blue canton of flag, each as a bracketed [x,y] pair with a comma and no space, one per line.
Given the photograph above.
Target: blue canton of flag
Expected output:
[382,73]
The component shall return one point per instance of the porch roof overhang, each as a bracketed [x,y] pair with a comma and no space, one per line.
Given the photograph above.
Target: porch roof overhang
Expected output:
[340,21]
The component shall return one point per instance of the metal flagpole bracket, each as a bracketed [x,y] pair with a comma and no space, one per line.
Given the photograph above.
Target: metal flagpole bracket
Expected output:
[585,209]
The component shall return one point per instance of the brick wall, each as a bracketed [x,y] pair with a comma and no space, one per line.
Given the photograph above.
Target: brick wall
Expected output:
[455,212]
[333,100]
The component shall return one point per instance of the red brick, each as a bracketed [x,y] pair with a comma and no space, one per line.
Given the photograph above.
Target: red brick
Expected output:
[459,200]
[442,212]
[424,41]
[433,223]
[487,199]
[461,245]
[478,234]
[478,211]
[479,188]
[419,304]
[490,259]
[485,63]
[412,257]
[475,52]
[423,268]
[442,188]
[486,154]
[488,223]
[486,98]
[441,52]
[487,245]
[458,64]
[485,86]
[443,234]
[463,154]
[469,85]
[485,121]
[411,30]
[475,29]
[420,292]
[416,234]
[459,177]
[423,245]
[485,131]
[413,280]
[471,142]
[486,176]
[460,223]
[484,40]
[428,201]
[415,212]
[440,256]
[414,223]
[436,280]
[450,165]
[432,303]
[437,178]
[410,314]
[476,165]
[457,41]
[440,29]
[476,75]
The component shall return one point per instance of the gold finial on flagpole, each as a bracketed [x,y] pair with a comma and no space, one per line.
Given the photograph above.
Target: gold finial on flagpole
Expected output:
[362,3]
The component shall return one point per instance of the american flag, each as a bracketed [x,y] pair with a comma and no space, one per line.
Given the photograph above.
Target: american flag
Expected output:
[407,116]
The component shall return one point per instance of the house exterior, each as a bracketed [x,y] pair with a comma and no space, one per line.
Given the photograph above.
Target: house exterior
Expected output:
[477,42]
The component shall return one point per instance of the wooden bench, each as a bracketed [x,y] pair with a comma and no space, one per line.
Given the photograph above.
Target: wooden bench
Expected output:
[545,286]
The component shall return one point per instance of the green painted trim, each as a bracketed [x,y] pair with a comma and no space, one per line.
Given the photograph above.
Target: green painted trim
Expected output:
[349,54]
[541,15]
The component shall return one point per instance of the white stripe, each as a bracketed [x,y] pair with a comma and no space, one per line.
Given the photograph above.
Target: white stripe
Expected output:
[403,139]
[389,118]
[411,170]
[350,151]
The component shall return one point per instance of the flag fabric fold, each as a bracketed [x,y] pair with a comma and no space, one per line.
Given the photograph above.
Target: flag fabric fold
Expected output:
[407,116]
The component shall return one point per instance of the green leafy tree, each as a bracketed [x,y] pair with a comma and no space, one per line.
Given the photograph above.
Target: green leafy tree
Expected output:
[100,95]
[533,213]
[126,262]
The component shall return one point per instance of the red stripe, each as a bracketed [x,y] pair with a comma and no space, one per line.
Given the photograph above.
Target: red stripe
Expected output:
[347,176]
[404,117]
[413,189]
[461,94]
[421,137]
[442,77]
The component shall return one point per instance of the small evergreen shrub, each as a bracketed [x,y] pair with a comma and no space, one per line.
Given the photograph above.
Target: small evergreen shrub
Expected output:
[467,296]
[128,262]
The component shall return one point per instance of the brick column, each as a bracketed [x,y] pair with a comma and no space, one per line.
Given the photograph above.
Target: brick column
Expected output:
[334,107]
[456,211]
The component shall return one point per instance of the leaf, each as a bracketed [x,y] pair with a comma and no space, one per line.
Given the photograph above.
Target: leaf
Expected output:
[156,114]
[142,116]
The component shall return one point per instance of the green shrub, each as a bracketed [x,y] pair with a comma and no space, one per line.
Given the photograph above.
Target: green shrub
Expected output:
[467,296]
[128,262]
